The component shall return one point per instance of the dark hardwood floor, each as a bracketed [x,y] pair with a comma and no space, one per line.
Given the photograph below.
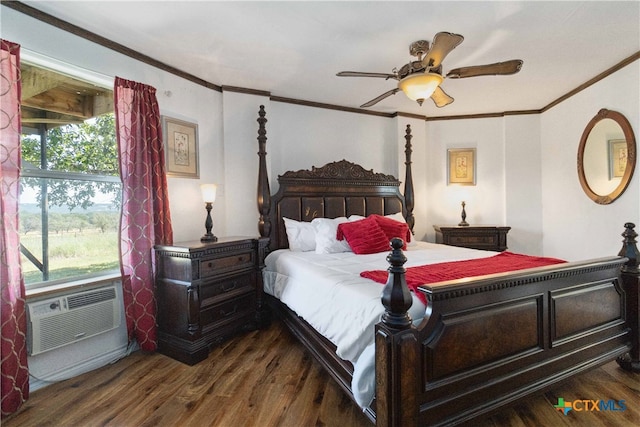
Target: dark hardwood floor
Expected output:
[266,378]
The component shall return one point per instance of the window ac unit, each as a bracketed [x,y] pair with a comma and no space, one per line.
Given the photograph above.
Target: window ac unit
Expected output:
[63,320]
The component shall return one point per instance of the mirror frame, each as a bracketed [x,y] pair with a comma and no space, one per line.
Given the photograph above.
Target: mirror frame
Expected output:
[622,121]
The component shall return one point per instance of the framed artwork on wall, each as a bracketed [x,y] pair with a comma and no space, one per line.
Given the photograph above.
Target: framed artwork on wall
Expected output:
[181,147]
[461,166]
[617,157]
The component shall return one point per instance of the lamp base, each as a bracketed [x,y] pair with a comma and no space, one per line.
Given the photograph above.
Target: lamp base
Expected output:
[464,222]
[208,226]
[207,238]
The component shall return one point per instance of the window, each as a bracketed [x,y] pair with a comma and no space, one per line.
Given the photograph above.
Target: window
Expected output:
[70,187]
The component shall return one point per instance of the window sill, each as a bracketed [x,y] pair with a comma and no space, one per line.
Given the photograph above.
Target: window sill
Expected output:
[75,285]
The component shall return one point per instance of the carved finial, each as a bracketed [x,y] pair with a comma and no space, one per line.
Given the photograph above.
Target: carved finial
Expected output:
[407,145]
[262,121]
[629,248]
[396,297]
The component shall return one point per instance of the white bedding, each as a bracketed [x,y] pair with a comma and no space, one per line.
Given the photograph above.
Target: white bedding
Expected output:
[327,291]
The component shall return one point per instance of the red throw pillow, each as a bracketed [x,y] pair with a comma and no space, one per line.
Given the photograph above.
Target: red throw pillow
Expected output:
[393,228]
[364,236]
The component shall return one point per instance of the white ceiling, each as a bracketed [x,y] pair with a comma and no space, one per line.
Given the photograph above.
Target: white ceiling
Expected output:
[294,49]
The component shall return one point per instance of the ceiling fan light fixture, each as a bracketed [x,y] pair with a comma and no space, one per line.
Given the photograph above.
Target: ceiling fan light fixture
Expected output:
[420,86]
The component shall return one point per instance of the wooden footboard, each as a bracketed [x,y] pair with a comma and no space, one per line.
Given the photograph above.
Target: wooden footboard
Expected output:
[491,341]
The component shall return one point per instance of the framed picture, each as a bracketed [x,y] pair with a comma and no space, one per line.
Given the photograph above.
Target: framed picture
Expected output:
[617,157]
[461,166]
[181,147]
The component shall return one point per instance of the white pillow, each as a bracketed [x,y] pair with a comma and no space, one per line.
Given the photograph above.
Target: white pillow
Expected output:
[301,235]
[326,230]
[397,216]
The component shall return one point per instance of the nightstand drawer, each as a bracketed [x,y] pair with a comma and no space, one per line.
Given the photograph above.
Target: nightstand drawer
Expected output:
[486,237]
[473,240]
[216,266]
[227,311]
[212,292]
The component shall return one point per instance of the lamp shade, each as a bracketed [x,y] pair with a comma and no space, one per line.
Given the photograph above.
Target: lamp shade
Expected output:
[420,86]
[208,192]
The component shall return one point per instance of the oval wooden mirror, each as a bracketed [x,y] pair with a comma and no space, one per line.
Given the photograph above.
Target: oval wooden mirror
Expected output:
[606,156]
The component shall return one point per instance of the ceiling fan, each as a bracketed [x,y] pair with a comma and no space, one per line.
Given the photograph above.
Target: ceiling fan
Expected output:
[421,79]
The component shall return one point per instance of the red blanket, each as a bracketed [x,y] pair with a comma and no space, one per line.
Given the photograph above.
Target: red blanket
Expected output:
[424,274]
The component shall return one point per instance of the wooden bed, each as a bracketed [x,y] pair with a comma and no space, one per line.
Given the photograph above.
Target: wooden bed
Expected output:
[485,342]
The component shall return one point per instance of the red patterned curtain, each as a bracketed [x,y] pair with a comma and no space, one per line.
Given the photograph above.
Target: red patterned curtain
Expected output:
[145,220]
[15,373]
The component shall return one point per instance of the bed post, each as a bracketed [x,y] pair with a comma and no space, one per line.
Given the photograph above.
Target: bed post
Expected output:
[631,282]
[264,192]
[263,316]
[408,180]
[396,350]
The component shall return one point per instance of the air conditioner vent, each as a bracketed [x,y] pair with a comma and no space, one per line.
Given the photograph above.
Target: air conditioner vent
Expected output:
[87,298]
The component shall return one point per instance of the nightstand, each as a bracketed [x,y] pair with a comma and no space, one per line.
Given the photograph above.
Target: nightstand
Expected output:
[487,237]
[207,292]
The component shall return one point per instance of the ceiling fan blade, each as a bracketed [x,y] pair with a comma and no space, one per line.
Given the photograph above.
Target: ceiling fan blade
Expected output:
[442,44]
[440,98]
[380,98]
[363,74]
[499,68]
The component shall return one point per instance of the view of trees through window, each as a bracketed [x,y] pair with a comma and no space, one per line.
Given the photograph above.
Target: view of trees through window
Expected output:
[70,200]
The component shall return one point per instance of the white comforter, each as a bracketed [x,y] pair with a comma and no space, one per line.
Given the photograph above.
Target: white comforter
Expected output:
[327,291]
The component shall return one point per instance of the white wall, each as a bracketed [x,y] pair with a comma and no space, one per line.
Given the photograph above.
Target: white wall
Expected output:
[575,227]
[523,186]
[485,201]
[301,137]
[508,187]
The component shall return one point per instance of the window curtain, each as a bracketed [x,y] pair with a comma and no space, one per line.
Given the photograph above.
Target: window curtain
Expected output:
[145,219]
[14,370]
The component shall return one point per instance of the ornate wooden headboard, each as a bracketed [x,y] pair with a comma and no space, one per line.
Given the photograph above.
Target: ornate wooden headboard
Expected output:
[336,189]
